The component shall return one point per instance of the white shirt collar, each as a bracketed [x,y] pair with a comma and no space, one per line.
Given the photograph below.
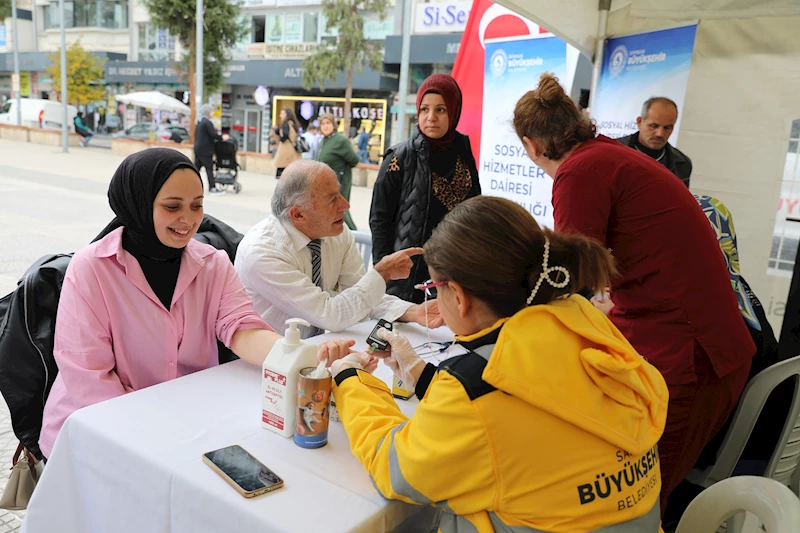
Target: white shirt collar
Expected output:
[299,239]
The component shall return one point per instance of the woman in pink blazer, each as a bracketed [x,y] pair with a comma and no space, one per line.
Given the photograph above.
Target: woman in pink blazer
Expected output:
[146,303]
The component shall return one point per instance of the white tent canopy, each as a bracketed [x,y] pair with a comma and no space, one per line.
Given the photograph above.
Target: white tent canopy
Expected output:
[741,99]
[576,21]
[154,100]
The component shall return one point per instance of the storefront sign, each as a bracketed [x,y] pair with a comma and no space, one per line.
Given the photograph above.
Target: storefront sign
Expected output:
[25,83]
[283,73]
[364,112]
[367,112]
[425,49]
[143,72]
[259,3]
[442,17]
[281,51]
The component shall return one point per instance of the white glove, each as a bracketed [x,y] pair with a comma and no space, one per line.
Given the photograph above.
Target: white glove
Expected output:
[357,360]
[403,359]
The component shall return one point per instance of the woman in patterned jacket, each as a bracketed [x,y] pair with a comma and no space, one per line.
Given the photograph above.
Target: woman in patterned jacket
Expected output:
[421,180]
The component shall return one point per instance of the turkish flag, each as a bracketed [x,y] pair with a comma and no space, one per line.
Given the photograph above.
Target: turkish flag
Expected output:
[487,20]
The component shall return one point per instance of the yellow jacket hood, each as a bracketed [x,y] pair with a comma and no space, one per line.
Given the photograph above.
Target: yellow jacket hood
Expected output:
[609,390]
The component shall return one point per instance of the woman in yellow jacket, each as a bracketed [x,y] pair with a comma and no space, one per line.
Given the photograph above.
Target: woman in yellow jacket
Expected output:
[548,423]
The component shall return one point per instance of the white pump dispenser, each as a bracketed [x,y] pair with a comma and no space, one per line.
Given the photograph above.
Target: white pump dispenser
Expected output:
[279,378]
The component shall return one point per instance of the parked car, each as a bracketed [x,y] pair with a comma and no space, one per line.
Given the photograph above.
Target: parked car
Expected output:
[38,113]
[162,132]
[113,123]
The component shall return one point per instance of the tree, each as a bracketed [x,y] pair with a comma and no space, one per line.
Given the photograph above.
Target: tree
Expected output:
[351,51]
[222,30]
[84,75]
[5,10]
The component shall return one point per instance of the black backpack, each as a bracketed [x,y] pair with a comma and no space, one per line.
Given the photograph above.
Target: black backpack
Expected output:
[27,331]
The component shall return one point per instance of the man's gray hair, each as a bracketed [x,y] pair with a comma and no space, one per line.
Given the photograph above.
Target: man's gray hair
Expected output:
[205,111]
[294,187]
[657,100]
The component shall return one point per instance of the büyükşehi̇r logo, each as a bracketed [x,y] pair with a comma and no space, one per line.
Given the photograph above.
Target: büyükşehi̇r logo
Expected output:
[619,59]
[498,62]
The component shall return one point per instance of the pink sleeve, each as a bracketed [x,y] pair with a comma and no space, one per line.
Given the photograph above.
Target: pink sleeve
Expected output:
[236,311]
[83,347]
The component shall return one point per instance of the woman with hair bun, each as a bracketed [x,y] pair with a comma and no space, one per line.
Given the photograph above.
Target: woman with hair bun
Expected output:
[550,420]
[673,298]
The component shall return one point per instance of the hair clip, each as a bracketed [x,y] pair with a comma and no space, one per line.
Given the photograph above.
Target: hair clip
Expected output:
[545,275]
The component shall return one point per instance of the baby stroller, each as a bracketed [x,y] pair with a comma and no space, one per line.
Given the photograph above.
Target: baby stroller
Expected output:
[226,169]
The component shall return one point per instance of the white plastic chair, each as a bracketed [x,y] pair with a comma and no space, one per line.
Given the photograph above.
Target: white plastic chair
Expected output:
[770,501]
[783,465]
[364,245]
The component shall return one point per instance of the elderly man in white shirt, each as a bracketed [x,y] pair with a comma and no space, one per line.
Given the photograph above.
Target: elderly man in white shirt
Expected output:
[302,261]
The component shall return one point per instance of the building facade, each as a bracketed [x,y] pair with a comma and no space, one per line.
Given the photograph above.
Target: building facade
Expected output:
[268,60]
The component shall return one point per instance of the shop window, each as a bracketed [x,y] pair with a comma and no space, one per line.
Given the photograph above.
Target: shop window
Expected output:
[109,14]
[310,27]
[275,29]
[374,28]
[293,28]
[786,235]
[259,26]
[287,28]
[155,44]
[113,15]
[49,17]
[83,14]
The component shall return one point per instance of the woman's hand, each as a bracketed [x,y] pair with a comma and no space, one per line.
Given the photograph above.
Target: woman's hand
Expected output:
[605,305]
[416,313]
[331,351]
[357,360]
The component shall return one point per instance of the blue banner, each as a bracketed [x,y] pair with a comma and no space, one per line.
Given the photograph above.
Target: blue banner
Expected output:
[513,68]
[636,68]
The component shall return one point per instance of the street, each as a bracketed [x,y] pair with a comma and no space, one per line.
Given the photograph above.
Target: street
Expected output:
[53,202]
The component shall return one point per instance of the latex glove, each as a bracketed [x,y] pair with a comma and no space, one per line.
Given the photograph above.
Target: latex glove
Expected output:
[403,360]
[357,360]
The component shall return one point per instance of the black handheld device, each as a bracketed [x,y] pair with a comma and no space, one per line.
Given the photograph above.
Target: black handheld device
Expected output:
[375,342]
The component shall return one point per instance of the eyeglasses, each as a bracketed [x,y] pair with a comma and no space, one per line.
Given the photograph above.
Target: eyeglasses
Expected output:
[430,287]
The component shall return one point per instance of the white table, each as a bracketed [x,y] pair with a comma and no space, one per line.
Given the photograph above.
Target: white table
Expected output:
[133,464]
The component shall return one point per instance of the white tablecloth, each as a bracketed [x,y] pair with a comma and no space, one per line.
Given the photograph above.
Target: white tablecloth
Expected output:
[133,464]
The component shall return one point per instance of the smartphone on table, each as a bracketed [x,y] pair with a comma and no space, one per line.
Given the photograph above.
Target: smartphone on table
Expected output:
[242,471]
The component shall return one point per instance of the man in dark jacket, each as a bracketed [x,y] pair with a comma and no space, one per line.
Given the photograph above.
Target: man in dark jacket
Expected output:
[205,136]
[656,124]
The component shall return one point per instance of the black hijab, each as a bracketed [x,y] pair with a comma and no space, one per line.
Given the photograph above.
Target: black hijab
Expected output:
[131,194]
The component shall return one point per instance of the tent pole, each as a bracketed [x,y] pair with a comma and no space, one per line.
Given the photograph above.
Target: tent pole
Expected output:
[600,42]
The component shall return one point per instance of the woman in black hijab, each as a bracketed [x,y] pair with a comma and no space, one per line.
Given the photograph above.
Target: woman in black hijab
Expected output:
[146,303]
[131,195]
